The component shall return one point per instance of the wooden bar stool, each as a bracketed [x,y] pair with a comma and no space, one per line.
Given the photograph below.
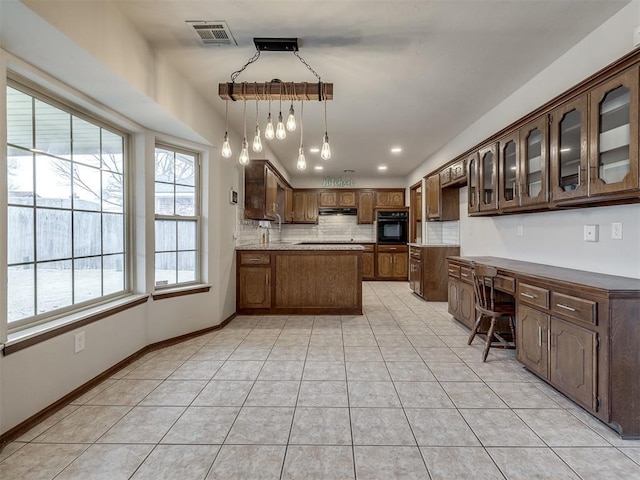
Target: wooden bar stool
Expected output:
[488,308]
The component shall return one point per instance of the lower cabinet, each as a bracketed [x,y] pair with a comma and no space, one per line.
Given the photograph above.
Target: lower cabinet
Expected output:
[369,262]
[531,339]
[462,305]
[415,270]
[467,312]
[392,262]
[256,287]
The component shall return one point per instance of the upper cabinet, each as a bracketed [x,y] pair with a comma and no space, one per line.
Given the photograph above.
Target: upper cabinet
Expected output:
[487,167]
[337,198]
[305,206]
[260,191]
[533,164]
[442,204]
[473,190]
[389,198]
[613,165]
[569,150]
[509,166]
[365,206]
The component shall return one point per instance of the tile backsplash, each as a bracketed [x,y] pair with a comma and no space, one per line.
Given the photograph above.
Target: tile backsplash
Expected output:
[330,228]
[447,233]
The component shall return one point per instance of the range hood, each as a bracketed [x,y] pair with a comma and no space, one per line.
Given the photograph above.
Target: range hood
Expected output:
[336,211]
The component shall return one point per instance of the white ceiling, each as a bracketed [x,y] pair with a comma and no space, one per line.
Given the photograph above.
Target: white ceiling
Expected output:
[406,73]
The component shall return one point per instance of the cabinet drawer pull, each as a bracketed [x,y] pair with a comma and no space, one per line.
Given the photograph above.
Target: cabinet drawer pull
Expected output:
[566,307]
[464,274]
[527,295]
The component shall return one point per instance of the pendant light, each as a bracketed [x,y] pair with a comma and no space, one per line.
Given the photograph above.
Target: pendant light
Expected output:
[257,142]
[244,153]
[281,132]
[291,119]
[325,153]
[301,164]
[226,147]
[269,132]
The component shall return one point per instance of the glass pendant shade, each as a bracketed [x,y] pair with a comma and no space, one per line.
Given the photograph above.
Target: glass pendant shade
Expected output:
[302,162]
[244,153]
[269,132]
[257,142]
[281,132]
[291,120]
[325,153]
[226,148]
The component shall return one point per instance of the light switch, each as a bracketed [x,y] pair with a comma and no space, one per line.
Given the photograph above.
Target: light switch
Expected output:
[616,231]
[591,233]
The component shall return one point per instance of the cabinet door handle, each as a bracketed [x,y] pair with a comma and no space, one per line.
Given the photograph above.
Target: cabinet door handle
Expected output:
[539,335]
[465,275]
[566,307]
[548,339]
[527,295]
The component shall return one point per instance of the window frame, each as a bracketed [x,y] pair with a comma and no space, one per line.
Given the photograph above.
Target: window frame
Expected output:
[197,219]
[39,93]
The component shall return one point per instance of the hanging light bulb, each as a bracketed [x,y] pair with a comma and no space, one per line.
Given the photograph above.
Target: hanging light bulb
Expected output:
[244,154]
[257,141]
[291,120]
[269,132]
[226,148]
[325,153]
[302,162]
[281,132]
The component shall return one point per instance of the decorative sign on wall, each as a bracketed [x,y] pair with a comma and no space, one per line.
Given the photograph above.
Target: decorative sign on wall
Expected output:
[333,182]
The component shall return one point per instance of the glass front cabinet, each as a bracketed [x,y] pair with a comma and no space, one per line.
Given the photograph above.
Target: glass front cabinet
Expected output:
[613,162]
[533,162]
[488,181]
[569,154]
[508,171]
[473,201]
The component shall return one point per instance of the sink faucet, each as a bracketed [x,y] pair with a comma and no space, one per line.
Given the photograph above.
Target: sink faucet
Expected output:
[279,221]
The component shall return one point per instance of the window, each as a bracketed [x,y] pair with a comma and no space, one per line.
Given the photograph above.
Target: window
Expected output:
[67,234]
[177,221]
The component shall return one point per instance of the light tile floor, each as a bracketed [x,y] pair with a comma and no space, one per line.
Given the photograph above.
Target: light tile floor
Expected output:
[395,393]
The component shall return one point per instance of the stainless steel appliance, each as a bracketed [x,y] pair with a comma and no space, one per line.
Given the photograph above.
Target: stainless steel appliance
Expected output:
[392,226]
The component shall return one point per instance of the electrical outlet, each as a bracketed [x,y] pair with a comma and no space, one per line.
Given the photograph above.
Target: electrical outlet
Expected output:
[520,231]
[79,342]
[616,231]
[591,233]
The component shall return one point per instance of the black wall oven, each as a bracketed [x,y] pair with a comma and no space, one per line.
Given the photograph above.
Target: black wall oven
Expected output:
[392,226]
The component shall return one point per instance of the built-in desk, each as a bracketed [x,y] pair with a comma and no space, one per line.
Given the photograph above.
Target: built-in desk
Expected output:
[579,331]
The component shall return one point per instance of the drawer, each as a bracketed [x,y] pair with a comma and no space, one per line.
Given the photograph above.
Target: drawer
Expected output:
[533,295]
[392,248]
[368,247]
[505,284]
[445,176]
[465,274]
[255,259]
[574,307]
[414,252]
[454,270]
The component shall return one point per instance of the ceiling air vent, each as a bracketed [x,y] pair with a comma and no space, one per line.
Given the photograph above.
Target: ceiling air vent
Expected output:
[215,32]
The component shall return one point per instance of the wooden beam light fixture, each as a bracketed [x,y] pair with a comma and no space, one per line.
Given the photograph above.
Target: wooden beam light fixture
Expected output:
[275,90]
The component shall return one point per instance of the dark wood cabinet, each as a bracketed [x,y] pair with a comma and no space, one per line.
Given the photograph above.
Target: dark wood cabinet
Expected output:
[576,330]
[305,206]
[415,269]
[532,174]
[389,198]
[460,297]
[365,206]
[613,165]
[254,280]
[488,181]
[392,262]
[260,191]
[454,175]
[473,184]
[369,262]
[442,204]
[288,205]
[337,198]
[508,171]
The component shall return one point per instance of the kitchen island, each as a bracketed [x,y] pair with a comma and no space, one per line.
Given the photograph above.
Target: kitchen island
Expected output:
[299,279]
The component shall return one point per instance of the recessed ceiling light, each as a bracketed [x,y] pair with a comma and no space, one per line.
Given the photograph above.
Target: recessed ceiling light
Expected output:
[396,150]
[318,167]
[314,150]
[382,167]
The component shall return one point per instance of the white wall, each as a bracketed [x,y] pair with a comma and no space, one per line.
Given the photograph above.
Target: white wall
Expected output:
[553,237]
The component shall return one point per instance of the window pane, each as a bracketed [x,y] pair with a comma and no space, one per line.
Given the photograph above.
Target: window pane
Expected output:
[112,192]
[165,268]
[185,200]
[187,235]
[112,151]
[165,165]
[53,130]
[86,188]
[186,266]
[185,169]
[88,279]
[86,234]
[113,233]
[86,142]
[53,182]
[53,234]
[19,118]
[164,199]
[20,235]
[20,176]
[114,274]
[20,292]
[166,236]
[54,285]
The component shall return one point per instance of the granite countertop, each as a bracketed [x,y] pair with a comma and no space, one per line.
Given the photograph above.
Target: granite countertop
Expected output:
[434,245]
[299,246]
